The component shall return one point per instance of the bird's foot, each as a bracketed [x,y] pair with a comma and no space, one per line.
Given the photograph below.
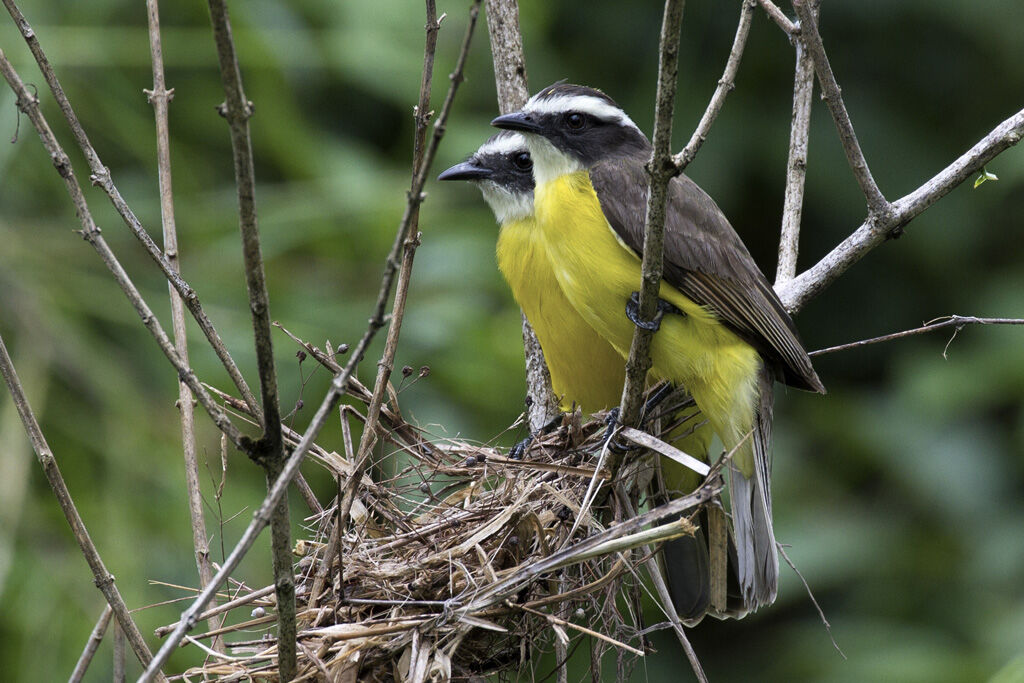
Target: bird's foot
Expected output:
[633,312]
[611,421]
[519,450]
[656,397]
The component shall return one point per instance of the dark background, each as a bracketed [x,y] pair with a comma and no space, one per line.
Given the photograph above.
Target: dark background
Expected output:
[900,492]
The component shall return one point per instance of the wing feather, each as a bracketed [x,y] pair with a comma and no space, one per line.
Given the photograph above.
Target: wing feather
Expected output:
[706,261]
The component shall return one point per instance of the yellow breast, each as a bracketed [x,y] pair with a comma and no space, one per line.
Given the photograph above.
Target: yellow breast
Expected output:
[597,274]
[585,369]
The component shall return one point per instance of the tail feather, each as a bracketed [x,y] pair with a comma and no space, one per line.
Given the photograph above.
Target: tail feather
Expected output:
[688,574]
[757,564]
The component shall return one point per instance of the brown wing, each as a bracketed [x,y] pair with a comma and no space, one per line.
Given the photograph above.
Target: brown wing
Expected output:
[706,260]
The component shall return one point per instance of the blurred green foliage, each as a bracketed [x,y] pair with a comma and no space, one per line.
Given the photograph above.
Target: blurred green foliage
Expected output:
[901,493]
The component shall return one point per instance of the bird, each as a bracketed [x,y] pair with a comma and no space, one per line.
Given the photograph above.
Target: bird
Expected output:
[586,371]
[723,332]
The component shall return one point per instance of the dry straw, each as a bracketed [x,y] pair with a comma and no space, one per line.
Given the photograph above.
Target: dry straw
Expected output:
[457,561]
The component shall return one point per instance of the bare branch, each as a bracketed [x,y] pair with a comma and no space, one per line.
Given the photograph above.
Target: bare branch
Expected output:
[339,384]
[410,242]
[101,176]
[957,321]
[28,104]
[776,15]
[877,203]
[507,54]
[796,166]
[725,85]
[103,579]
[875,230]
[661,170]
[160,97]
[814,601]
[268,452]
[511,85]
[91,645]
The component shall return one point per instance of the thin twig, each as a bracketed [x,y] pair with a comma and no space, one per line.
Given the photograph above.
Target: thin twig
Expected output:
[874,230]
[29,104]
[103,579]
[807,587]
[957,321]
[160,97]
[409,241]
[725,85]
[796,165]
[776,15]
[878,206]
[91,645]
[101,176]
[405,237]
[660,169]
[582,629]
[268,452]
[511,85]
[221,609]
[337,389]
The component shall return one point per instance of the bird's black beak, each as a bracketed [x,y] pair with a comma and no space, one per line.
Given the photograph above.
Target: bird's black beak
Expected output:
[467,170]
[520,121]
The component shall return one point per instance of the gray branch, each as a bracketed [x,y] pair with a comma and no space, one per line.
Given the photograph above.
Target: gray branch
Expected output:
[876,229]
[725,85]
[796,166]
[511,85]
[877,203]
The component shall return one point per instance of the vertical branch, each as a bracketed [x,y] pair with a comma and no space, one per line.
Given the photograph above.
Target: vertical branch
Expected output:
[511,85]
[91,645]
[878,206]
[661,170]
[408,240]
[160,97]
[103,579]
[119,658]
[796,166]
[269,450]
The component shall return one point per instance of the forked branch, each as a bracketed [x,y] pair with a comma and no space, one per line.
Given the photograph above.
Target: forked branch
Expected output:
[339,384]
[878,206]
[874,230]
[268,452]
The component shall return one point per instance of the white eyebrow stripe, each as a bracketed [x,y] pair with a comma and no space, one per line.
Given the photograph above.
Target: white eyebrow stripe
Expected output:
[587,104]
[505,144]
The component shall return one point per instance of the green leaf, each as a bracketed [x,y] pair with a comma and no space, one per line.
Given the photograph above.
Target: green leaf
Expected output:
[985,175]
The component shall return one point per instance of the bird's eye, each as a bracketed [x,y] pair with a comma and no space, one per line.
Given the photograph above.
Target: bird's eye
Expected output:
[522,161]
[575,120]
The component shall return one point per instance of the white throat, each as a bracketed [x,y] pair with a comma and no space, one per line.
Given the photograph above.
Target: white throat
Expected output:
[507,206]
[549,163]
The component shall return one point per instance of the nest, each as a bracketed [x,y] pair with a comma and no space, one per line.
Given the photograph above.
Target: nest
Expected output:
[457,562]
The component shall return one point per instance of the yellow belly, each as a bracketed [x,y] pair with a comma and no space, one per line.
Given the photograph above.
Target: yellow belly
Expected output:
[585,369]
[597,273]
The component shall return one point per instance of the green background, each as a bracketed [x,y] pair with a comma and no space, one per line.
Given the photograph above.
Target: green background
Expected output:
[900,492]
